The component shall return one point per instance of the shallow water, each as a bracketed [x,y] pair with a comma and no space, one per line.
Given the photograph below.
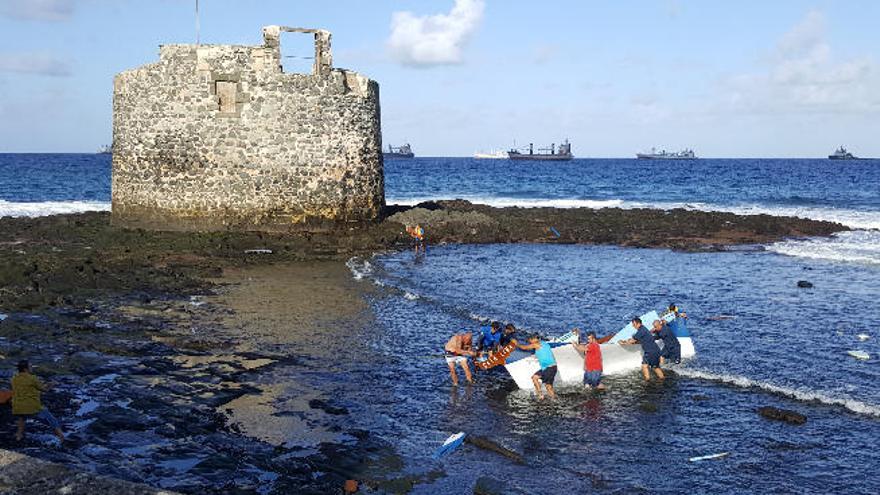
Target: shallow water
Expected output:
[775,345]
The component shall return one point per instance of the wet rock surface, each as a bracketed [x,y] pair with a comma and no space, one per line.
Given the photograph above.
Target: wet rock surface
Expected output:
[786,415]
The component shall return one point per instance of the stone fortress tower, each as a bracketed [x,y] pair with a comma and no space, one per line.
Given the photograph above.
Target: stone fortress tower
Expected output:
[218,137]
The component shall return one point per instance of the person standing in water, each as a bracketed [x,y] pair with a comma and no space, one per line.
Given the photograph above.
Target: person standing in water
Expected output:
[671,347]
[592,361]
[547,373]
[417,234]
[26,393]
[457,350]
[650,350]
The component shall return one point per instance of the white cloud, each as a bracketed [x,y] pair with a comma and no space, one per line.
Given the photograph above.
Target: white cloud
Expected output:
[434,39]
[803,75]
[33,63]
[37,10]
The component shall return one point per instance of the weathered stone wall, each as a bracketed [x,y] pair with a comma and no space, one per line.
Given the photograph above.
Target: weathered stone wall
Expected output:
[218,137]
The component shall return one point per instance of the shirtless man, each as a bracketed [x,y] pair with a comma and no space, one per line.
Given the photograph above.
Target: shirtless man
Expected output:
[457,350]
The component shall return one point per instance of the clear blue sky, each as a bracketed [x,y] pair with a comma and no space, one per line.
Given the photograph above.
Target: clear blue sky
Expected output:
[745,78]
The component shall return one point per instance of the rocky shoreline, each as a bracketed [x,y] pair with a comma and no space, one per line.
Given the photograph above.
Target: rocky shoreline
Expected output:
[180,360]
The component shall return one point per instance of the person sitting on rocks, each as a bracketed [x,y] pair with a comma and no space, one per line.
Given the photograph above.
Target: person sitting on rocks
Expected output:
[671,346]
[650,350]
[547,373]
[457,350]
[26,392]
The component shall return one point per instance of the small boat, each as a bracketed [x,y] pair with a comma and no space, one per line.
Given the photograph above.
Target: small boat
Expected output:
[404,151]
[842,154]
[686,154]
[616,359]
[105,150]
[552,153]
[491,155]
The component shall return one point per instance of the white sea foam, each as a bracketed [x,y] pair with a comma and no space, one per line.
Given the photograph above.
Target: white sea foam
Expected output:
[858,246]
[45,208]
[359,267]
[411,296]
[805,395]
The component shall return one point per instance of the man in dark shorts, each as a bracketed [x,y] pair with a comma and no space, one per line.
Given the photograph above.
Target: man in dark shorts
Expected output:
[547,373]
[671,347]
[650,350]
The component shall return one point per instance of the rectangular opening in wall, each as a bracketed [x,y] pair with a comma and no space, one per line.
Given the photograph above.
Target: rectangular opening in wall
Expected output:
[297,53]
[227,92]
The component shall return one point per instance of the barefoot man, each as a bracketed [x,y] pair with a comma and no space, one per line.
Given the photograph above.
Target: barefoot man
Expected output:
[650,350]
[457,350]
[547,373]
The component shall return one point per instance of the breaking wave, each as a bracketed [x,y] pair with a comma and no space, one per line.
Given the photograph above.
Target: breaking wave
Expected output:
[804,395]
[45,208]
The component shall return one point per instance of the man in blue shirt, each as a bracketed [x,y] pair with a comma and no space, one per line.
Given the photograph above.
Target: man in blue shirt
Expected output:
[671,347]
[490,337]
[650,350]
[546,361]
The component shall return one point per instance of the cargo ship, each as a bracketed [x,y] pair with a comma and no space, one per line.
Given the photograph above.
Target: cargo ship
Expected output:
[404,151]
[552,153]
[842,154]
[687,154]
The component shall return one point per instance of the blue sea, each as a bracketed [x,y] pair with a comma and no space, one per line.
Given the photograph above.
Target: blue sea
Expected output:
[760,339]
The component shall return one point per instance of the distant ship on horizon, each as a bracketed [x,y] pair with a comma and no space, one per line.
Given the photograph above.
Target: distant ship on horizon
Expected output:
[404,151]
[491,155]
[105,150]
[686,154]
[552,153]
[842,154]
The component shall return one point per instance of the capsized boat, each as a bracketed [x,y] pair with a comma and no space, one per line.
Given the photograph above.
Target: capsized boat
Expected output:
[616,359]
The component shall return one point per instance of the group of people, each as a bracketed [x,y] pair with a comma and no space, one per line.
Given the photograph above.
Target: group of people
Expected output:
[490,338]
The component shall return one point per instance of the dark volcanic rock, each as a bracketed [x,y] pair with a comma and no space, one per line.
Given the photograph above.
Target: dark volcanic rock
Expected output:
[488,486]
[786,415]
[803,284]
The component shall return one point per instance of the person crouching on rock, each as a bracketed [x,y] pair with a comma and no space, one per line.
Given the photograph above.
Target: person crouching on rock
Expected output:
[457,350]
[592,361]
[547,373]
[26,392]
[650,350]
[671,346]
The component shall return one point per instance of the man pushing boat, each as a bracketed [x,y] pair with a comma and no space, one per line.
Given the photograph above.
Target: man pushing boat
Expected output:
[650,350]
[458,349]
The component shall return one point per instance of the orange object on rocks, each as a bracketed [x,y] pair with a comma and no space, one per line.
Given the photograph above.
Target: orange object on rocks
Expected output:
[5,396]
[351,486]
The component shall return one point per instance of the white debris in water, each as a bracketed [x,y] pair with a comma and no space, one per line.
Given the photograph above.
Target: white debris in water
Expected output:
[864,356]
[863,336]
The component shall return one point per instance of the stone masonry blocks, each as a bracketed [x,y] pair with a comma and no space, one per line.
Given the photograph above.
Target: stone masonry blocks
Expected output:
[217,137]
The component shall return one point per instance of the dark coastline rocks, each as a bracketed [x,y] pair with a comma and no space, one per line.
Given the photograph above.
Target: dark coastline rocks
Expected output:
[786,415]
[63,260]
